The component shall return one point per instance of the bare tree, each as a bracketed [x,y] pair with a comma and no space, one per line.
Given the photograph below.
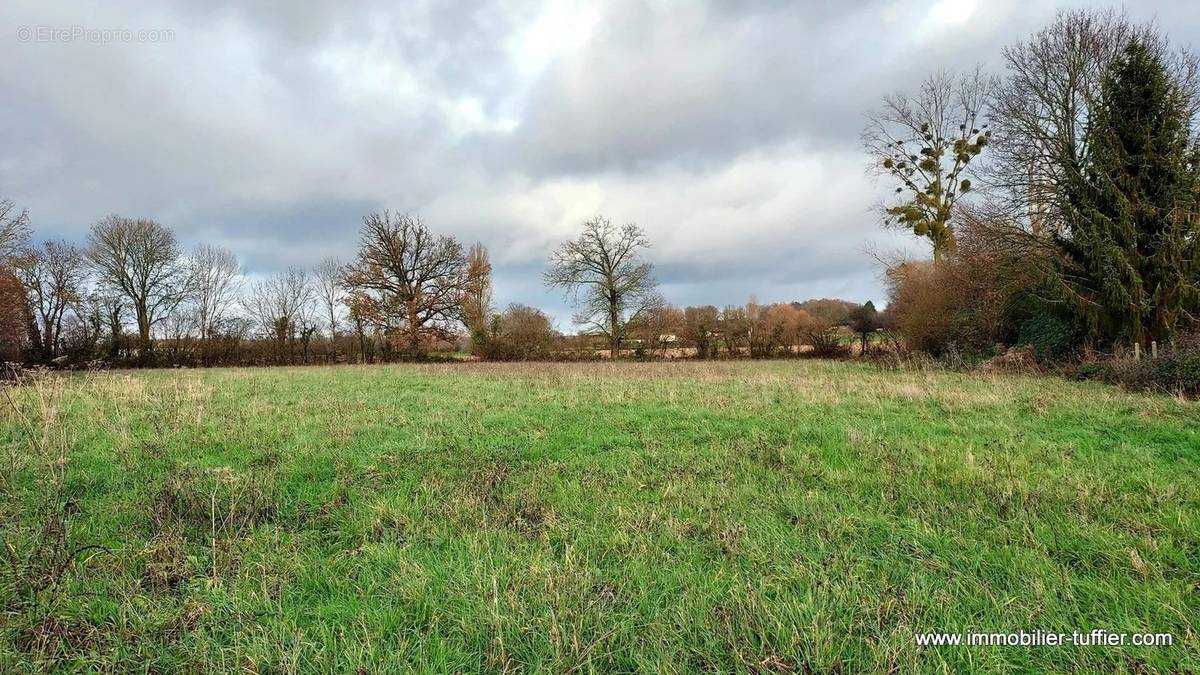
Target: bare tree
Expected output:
[1041,109]
[735,329]
[330,290]
[924,144]
[53,276]
[89,316]
[356,303]
[282,306]
[214,282]
[1045,168]
[405,278]
[603,272]
[140,258]
[701,329]
[659,329]
[176,331]
[477,293]
[14,229]
[103,308]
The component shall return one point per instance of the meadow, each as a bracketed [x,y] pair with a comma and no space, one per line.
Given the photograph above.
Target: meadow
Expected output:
[792,516]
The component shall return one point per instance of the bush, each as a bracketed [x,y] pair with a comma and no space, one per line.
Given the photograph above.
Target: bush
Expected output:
[1052,330]
[827,344]
[940,307]
[521,333]
[990,292]
[1091,370]
[1176,372]
[1012,361]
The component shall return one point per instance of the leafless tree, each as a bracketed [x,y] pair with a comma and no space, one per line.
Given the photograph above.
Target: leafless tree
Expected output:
[103,309]
[89,316]
[330,289]
[660,328]
[701,328]
[603,272]
[282,306]
[176,331]
[356,303]
[735,329]
[405,278]
[140,258]
[214,283]
[53,276]
[924,144]
[477,292]
[1041,108]
[14,229]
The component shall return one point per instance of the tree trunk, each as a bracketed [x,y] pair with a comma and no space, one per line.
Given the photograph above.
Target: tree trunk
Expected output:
[414,329]
[614,330]
[143,321]
[114,330]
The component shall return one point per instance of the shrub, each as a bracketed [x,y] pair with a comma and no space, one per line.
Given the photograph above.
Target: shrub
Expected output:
[989,293]
[1013,360]
[774,329]
[827,344]
[937,307]
[1050,336]
[521,333]
[1175,372]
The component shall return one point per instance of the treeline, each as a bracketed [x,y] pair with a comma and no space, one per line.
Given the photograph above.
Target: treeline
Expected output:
[130,296]
[1061,198]
[1061,201]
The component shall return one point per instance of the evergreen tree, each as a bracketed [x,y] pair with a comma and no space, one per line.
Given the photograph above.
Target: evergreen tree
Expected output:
[1130,250]
[864,320]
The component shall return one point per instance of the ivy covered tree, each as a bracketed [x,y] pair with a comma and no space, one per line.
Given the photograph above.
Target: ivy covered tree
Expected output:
[1130,251]
[923,144]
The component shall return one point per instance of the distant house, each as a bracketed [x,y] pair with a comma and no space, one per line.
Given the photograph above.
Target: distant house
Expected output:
[667,339]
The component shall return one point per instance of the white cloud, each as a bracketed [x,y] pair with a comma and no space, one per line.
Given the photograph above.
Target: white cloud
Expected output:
[948,14]
[727,129]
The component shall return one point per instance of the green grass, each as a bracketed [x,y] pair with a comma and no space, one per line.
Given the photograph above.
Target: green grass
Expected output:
[672,517]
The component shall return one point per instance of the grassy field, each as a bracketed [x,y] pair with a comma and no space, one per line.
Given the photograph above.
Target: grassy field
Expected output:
[672,517]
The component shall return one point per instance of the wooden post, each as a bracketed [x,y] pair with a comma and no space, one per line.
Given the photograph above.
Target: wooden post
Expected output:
[1154,349]
[1137,351]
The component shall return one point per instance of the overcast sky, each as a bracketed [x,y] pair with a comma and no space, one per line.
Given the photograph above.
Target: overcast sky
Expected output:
[727,129]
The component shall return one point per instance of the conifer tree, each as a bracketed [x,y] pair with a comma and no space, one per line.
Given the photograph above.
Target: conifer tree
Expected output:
[1130,250]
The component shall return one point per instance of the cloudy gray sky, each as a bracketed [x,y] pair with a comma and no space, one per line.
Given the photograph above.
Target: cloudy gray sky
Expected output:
[727,129]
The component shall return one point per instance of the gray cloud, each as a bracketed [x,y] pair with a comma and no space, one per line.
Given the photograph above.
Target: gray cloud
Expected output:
[727,129]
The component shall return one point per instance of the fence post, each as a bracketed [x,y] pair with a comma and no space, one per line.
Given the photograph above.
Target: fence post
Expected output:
[1137,351]
[1154,349]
